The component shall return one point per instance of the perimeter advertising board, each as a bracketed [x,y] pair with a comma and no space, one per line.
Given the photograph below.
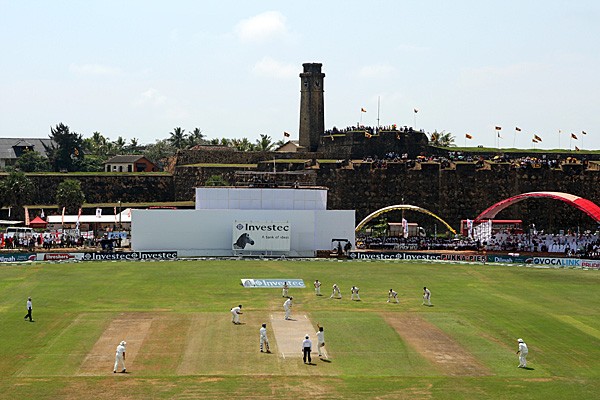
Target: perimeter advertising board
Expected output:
[261,236]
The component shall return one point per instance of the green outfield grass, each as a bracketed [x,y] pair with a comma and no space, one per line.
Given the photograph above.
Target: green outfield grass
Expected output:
[187,347]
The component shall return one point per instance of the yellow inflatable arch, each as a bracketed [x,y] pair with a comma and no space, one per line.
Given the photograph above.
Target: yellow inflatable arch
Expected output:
[383,210]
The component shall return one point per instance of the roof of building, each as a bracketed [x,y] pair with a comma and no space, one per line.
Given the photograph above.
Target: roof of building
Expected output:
[125,158]
[7,151]
[292,142]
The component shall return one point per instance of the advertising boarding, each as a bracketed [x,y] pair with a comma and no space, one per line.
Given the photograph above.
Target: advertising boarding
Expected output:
[261,236]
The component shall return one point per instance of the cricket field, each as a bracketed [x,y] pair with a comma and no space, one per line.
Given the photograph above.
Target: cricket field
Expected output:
[181,344]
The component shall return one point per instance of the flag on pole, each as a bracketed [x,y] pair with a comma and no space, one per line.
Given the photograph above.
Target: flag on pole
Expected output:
[576,148]
[517,129]
[286,134]
[536,137]
[42,215]
[27,216]
[584,132]
[534,141]
[415,110]
[499,135]
[468,136]
[98,212]
[363,110]
[574,136]
[498,128]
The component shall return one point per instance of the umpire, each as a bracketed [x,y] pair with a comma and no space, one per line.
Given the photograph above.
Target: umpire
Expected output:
[306,349]
[29,308]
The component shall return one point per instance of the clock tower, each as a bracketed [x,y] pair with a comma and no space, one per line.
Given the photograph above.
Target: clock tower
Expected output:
[312,106]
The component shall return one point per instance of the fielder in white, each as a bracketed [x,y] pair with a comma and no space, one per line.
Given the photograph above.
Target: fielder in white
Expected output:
[354,294]
[392,296]
[335,292]
[522,352]
[317,285]
[287,306]
[320,339]
[235,314]
[426,296]
[284,292]
[120,357]
[263,339]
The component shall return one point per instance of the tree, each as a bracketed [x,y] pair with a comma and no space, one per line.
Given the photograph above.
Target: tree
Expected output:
[159,152]
[133,146]
[70,195]
[264,143]
[119,145]
[68,152]
[195,138]
[242,144]
[441,139]
[16,191]
[32,161]
[178,138]
[216,180]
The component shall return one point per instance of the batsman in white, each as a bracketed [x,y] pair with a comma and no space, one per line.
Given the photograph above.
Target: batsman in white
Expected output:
[120,357]
[235,314]
[287,306]
[522,352]
[264,341]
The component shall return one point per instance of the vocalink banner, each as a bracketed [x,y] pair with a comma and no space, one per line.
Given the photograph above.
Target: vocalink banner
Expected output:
[261,236]
[273,283]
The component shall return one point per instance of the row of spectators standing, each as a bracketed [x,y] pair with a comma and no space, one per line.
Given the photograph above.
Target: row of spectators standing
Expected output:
[373,130]
[45,240]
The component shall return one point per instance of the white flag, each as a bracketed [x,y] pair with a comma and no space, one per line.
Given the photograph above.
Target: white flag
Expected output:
[404,228]
[43,215]
[98,212]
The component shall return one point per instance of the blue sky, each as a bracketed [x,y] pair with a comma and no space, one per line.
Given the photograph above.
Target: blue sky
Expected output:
[137,69]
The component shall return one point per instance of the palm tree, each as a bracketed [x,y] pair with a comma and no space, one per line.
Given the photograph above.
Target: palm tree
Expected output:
[195,138]
[178,138]
[441,139]
[242,144]
[119,144]
[133,145]
[264,143]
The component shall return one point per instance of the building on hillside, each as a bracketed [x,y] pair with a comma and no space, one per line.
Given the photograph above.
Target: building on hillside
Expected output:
[129,163]
[291,146]
[12,148]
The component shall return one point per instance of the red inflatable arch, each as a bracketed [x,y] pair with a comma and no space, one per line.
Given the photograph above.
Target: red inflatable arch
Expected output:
[587,206]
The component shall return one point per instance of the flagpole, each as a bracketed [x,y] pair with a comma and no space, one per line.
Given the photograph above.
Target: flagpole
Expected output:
[559,139]
[378,98]
[415,112]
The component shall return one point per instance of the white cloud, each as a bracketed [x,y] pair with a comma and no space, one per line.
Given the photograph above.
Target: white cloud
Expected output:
[375,71]
[262,27]
[273,68]
[93,69]
[151,97]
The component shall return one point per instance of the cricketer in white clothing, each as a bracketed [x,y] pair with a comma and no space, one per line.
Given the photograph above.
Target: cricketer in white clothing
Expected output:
[354,294]
[284,292]
[392,295]
[320,339]
[120,357]
[235,314]
[335,292]
[317,287]
[263,339]
[287,306]
[522,352]
[426,296]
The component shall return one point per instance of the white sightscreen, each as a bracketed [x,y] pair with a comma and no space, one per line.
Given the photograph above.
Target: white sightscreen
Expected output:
[215,198]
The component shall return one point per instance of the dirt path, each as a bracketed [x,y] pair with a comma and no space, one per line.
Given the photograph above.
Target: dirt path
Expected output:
[131,327]
[435,345]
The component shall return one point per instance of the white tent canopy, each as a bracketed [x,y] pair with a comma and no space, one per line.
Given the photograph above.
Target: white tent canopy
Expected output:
[123,217]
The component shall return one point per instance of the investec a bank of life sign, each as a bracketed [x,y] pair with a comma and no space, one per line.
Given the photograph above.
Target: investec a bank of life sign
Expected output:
[261,236]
